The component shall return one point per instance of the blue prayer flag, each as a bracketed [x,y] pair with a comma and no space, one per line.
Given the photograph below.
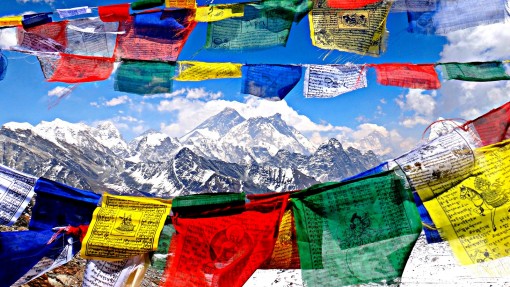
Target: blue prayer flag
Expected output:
[272,82]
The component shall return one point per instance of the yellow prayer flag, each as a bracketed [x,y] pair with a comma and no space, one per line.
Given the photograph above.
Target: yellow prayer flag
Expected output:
[124,226]
[10,21]
[474,214]
[191,4]
[219,12]
[199,71]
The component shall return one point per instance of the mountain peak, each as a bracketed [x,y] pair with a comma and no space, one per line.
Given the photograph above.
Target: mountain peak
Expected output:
[17,126]
[216,126]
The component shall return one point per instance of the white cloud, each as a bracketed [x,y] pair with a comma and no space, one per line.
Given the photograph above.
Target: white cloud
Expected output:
[8,38]
[117,101]
[418,107]
[59,91]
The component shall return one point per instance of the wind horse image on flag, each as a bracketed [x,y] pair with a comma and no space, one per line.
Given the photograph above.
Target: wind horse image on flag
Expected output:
[356,232]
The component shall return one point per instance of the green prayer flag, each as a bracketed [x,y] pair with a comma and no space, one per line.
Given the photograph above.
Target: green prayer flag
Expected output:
[158,260]
[143,78]
[356,232]
[475,71]
[146,4]
[211,200]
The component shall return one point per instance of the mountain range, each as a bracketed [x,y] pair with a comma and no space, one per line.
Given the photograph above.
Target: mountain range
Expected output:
[225,153]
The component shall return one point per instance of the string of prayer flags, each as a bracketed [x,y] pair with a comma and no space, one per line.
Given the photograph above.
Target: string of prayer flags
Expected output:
[475,71]
[58,204]
[50,37]
[69,68]
[472,214]
[199,71]
[62,252]
[114,13]
[326,81]
[130,46]
[124,273]
[223,246]
[32,20]
[493,126]
[123,227]
[355,232]
[258,28]
[168,25]
[421,76]
[3,65]
[143,78]
[65,13]
[91,37]
[272,82]
[146,4]
[349,4]
[361,31]
[16,191]
[11,21]
[214,13]
[190,4]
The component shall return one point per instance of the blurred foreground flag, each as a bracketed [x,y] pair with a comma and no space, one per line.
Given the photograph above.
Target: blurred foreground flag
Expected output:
[272,82]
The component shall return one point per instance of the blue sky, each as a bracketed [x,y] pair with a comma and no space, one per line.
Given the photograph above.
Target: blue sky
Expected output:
[399,115]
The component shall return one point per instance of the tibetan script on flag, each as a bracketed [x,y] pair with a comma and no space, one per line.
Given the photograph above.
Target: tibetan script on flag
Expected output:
[325,81]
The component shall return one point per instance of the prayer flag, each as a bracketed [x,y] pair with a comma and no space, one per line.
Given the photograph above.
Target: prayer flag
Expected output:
[207,200]
[272,82]
[146,4]
[259,28]
[326,81]
[124,227]
[76,69]
[223,246]
[50,37]
[124,273]
[32,20]
[214,13]
[132,47]
[298,8]
[58,204]
[413,5]
[64,13]
[475,71]
[355,232]
[422,76]
[114,13]
[143,78]
[11,21]
[158,260]
[360,31]
[350,4]
[191,4]
[16,191]
[493,126]
[472,214]
[166,25]
[91,37]
[199,71]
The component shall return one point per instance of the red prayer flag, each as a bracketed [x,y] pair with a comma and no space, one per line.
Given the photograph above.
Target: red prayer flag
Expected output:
[223,247]
[493,126]
[114,13]
[79,69]
[422,76]
[350,4]
[50,37]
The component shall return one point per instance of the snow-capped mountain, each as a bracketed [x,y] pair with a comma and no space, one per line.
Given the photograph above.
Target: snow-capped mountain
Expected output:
[226,153]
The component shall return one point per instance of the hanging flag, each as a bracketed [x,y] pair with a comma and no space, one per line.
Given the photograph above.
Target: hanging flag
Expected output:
[65,13]
[124,227]
[349,4]
[144,78]
[75,69]
[414,5]
[58,204]
[146,4]
[3,66]
[475,71]
[91,37]
[326,81]
[493,126]
[132,47]
[167,25]
[16,191]
[191,4]
[385,166]
[114,13]
[214,13]
[421,76]
[56,257]
[272,82]
[356,232]
[472,215]
[50,37]
[259,28]
[32,20]
[199,71]
[124,273]
[298,8]
[360,31]
[159,258]
[11,21]
[223,246]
